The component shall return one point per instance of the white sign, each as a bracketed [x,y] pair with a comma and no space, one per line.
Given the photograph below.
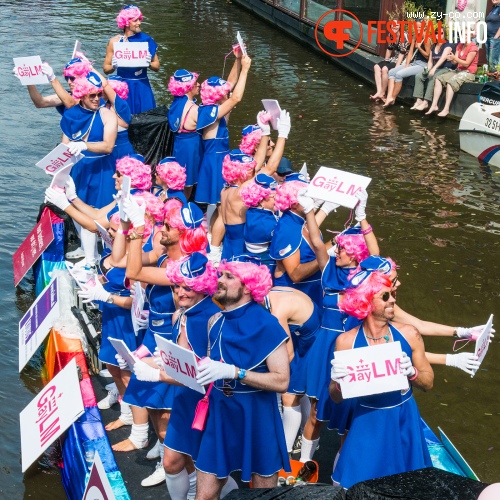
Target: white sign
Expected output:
[122,349]
[50,413]
[76,48]
[61,177]
[57,159]
[241,43]
[125,189]
[131,54]
[273,108]
[37,322]
[106,238]
[98,486]
[334,185]
[137,305]
[303,170]
[179,363]
[83,278]
[373,370]
[29,70]
[483,342]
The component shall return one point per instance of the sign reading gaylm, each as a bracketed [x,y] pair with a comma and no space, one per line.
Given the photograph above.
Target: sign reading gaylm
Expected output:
[373,370]
[29,70]
[337,186]
[131,54]
[57,159]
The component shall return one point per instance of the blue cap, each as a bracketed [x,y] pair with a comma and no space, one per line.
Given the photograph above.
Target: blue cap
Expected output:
[215,81]
[250,259]
[192,216]
[194,266]
[249,129]
[138,157]
[266,181]
[168,159]
[376,263]
[350,231]
[296,176]
[94,79]
[238,155]
[73,61]
[284,167]
[183,75]
[130,6]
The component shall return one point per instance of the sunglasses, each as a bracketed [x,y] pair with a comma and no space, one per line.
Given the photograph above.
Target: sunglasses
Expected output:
[386,295]
[98,95]
[118,173]
[70,78]
[185,288]
[340,248]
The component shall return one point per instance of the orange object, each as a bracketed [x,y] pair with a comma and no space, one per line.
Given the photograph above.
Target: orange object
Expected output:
[295,465]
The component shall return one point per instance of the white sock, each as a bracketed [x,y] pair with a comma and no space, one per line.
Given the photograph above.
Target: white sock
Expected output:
[89,245]
[308,449]
[305,408]
[280,402]
[139,435]
[210,211]
[228,487]
[192,485]
[178,485]
[126,413]
[335,461]
[162,452]
[291,422]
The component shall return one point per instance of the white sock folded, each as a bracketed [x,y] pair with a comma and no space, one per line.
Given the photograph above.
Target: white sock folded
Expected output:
[308,449]
[192,485]
[126,413]
[291,423]
[228,487]
[89,246]
[178,485]
[305,408]
[139,435]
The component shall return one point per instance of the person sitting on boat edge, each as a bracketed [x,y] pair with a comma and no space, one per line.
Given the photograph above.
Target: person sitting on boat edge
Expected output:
[141,96]
[398,445]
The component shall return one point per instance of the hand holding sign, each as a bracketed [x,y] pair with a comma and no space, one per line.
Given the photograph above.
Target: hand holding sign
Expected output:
[131,54]
[466,361]
[360,211]
[483,342]
[145,372]
[241,43]
[273,108]
[211,371]
[339,370]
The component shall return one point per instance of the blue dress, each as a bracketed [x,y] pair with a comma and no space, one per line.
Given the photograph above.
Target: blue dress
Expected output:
[386,435]
[155,395]
[123,146]
[210,180]
[180,437]
[140,96]
[244,430]
[234,242]
[93,175]
[287,239]
[116,320]
[188,147]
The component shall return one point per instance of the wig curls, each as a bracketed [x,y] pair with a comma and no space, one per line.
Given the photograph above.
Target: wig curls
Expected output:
[355,245]
[172,174]
[139,172]
[287,194]
[252,194]
[212,94]
[126,15]
[179,89]
[234,171]
[250,141]
[120,87]
[205,283]
[83,87]
[77,69]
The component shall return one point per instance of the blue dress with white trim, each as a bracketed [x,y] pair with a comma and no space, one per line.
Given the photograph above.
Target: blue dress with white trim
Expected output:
[234,242]
[244,430]
[287,239]
[386,435]
[210,180]
[180,436]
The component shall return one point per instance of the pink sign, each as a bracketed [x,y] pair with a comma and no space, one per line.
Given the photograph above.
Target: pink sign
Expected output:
[57,159]
[131,54]
[483,341]
[32,247]
[337,186]
[29,70]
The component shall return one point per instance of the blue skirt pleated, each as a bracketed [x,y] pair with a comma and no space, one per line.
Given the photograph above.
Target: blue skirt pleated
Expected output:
[140,96]
[155,395]
[210,180]
[188,151]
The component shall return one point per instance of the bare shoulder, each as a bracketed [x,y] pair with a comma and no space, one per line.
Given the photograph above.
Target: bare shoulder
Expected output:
[345,340]
[115,38]
[410,332]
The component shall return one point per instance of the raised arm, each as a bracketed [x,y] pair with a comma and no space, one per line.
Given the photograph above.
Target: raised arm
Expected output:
[239,89]
[317,244]
[40,101]
[108,60]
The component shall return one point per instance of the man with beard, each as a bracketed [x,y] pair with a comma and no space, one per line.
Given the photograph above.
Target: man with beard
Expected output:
[248,364]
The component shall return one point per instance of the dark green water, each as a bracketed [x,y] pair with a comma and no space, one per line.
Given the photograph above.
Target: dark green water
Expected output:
[435,209]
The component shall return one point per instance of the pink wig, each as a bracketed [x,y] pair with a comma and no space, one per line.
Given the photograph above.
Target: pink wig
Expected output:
[234,171]
[154,206]
[205,283]
[172,174]
[252,194]
[250,141]
[286,194]
[120,87]
[256,278]
[212,94]
[179,89]
[355,245]
[77,69]
[190,240]
[139,172]
[127,15]
[83,87]
[357,301]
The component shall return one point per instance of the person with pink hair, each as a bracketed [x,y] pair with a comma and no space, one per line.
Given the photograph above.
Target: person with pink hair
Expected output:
[171,179]
[251,136]
[182,118]
[249,362]
[141,96]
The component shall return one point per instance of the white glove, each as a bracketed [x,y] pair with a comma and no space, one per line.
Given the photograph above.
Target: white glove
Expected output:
[214,370]
[134,211]
[145,372]
[359,211]
[306,202]
[317,202]
[472,333]
[117,197]
[81,55]
[70,189]
[15,73]
[96,292]
[114,62]
[331,251]
[56,198]
[149,58]
[284,124]
[143,322]
[157,357]
[339,370]
[262,122]
[48,72]
[329,206]
[466,361]
[407,369]
[122,363]
[76,148]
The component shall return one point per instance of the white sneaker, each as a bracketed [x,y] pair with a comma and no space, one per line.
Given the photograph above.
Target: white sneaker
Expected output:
[108,401]
[105,373]
[154,452]
[75,254]
[157,477]
[111,387]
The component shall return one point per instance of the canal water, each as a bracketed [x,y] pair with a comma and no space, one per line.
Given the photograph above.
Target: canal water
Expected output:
[434,209]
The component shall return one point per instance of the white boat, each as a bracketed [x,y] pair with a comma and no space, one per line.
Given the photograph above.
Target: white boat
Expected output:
[480,132]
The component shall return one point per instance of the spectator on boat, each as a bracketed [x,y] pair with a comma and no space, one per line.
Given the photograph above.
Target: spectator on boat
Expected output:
[141,96]
[493,36]
[416,60]
[398,445]
[248,365]
[438,64]
[284,169]
[91,130]
[171,179]
[182,118]
[466,57]
[394,56]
